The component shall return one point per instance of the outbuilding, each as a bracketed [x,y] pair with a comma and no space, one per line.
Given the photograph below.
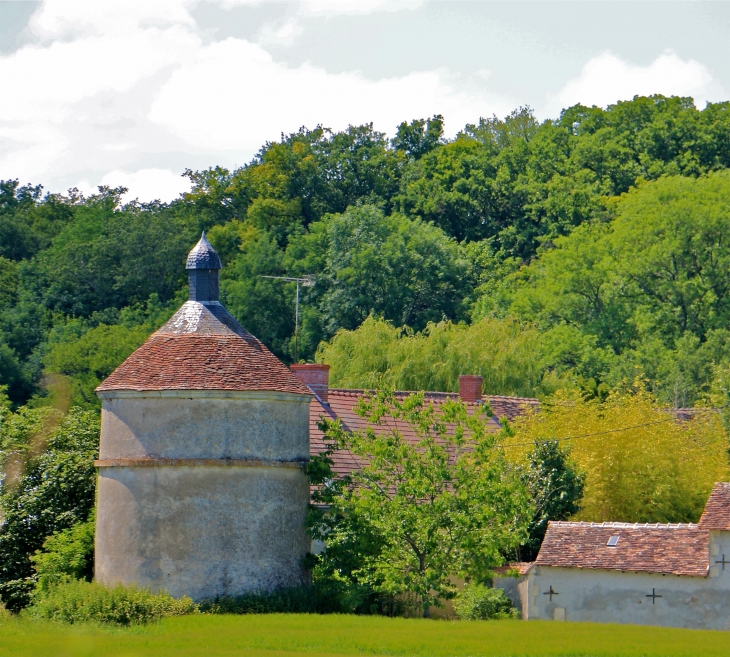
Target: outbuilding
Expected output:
[675,575]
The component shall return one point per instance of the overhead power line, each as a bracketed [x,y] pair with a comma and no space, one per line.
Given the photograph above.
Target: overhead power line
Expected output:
[607,431]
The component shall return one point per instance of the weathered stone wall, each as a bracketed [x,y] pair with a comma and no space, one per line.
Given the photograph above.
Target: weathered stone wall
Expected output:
[203,494]
[197,424]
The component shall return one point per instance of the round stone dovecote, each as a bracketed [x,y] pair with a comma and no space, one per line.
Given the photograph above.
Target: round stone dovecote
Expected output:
[204,438]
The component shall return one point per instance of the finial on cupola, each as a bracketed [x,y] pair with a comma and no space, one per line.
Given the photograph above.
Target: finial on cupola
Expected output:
[203,266]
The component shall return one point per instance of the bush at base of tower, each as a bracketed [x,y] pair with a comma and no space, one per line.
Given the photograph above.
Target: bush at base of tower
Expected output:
[79,601]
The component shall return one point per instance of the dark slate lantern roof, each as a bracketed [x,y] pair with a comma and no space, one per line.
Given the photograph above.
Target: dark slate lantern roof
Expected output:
[203,256]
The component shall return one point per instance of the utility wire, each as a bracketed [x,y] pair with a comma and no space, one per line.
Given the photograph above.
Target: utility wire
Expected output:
[601,433]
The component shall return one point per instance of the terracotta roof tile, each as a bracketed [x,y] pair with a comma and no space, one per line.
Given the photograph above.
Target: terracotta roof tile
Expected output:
[677,549]
[203,348]
[342,406]
[717,510]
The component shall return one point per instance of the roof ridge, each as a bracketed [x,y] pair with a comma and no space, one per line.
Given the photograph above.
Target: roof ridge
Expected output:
[624,525]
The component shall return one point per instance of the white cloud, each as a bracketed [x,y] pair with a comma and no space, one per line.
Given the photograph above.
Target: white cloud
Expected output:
[234,95]
[131,89]
[607,79]
[281,34]
[331,7]
[145,184]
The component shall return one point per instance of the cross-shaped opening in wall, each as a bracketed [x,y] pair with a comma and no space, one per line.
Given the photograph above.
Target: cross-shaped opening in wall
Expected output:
[551,593]
[653,595]
[722,561]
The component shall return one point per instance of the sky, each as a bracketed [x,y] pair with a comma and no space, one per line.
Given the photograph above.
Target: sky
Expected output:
[133,92]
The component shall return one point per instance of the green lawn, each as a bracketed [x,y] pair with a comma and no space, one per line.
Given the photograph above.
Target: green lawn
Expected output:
[289,635]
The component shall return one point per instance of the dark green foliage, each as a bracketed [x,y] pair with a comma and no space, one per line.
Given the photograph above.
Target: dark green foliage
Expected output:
[321,597]
[419,137]
[556,488]
[79,601]
[480,602]
[48,486]
[110,258]
[414,230]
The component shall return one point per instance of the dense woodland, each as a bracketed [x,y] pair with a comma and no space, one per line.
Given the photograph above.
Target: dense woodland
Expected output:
[583,260]
[592,249]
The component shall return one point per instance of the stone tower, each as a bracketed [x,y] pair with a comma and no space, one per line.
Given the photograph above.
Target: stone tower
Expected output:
[204,435]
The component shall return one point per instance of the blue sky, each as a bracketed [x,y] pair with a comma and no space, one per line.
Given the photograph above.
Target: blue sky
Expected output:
[133,92]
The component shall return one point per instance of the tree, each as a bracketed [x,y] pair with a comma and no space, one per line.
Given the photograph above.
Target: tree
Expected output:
[48,485]
[419,137]
[511,357]
[406,271]
[641,462]
[444,504]
[650,286]
[556,488]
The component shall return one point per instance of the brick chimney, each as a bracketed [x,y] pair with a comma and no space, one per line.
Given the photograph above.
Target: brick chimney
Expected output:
[315,376]
[470,388]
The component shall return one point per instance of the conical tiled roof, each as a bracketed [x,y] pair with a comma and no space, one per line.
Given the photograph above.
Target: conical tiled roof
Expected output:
[202,347]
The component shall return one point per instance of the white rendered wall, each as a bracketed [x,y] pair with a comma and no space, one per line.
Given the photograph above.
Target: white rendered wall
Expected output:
[606,596]
[203,495]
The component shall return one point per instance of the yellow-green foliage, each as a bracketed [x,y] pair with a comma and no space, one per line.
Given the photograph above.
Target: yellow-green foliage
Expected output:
[660,470]
[312,635]
[503,351]
[79,601]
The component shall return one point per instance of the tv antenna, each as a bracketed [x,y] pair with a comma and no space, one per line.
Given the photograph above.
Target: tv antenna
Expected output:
[306,281]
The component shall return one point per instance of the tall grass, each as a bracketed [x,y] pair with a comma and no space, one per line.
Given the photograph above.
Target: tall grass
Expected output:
[276,635]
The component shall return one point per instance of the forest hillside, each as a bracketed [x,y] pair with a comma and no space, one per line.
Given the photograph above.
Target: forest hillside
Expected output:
[587,251]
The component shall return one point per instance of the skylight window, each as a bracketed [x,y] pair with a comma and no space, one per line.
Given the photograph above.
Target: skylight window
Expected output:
[612,541]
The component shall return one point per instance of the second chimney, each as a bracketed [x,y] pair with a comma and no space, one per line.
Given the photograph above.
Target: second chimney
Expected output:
[470,388]
[315,376]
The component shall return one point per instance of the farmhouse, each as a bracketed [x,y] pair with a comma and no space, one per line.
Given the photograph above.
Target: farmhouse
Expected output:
[339,404]
[674,575]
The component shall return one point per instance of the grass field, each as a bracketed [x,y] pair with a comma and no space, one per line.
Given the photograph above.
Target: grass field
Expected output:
[295,635]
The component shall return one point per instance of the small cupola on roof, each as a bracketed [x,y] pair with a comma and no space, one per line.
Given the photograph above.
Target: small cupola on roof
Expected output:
[203,265]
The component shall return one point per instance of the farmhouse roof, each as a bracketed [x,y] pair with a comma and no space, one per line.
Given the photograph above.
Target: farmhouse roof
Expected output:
[717,510]
[676,549]
[341,407]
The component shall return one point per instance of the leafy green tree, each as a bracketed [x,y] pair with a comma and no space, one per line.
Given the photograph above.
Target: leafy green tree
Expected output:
[112,257]
[264,306]
[444,505]
[48,486]
[650,286]
[509,355]
[419,137]
[66,556]
[405,271]
[556,488]
[655,470]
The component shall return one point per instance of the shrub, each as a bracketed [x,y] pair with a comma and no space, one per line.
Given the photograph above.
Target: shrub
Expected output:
[479,602]
[67,555]
[79,601]
[319,598]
